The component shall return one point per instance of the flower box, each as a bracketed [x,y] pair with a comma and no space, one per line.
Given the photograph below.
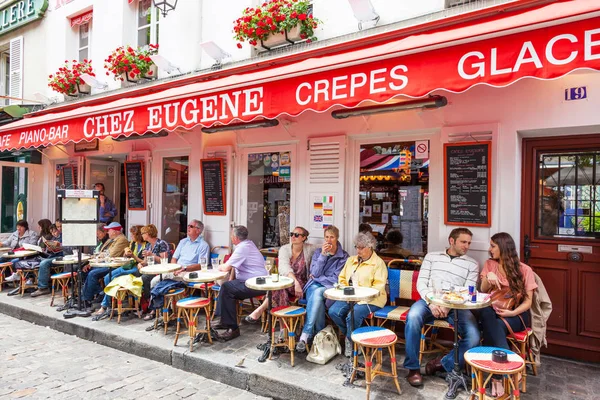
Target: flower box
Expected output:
[279,39]
[130,65]
[67,80]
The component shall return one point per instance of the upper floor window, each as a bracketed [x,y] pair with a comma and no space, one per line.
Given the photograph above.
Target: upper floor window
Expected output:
[147,22]
[4,77]
[83,46]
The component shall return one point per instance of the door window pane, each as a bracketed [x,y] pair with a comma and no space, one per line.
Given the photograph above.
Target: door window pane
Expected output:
[14,197]
[174,199]
[569,194]
[269,190]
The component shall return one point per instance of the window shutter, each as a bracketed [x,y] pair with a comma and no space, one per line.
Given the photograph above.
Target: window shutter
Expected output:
[16,69]
[326,159]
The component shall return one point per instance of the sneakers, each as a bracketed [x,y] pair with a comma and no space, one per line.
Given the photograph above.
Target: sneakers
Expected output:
[13,278]
[348,348]
[40,292]
[29,282]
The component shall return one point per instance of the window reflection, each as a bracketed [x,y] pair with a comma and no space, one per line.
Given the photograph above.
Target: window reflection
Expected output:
[174,199]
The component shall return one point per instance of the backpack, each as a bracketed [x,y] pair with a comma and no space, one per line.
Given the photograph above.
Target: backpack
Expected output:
[325,347]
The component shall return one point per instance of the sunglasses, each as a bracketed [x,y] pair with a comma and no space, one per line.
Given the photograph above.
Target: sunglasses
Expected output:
[193,226]
[295,234]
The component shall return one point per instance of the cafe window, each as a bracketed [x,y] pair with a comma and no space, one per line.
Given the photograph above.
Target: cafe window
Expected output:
[394,195]
[14,197]
[269,190]
[147,23]
[569,194]
[174,199]
[83,50]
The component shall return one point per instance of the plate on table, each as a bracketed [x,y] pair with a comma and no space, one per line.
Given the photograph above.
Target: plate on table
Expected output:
[453,298]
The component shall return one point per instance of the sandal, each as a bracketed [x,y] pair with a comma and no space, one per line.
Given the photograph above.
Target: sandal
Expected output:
[250,320]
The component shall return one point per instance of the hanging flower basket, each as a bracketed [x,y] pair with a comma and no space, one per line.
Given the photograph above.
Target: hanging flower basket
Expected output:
[276,23]
[67,80]
[129,64]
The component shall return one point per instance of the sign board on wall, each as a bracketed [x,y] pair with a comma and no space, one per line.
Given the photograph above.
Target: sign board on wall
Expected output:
[467,183]
[322,211]
[135,185]
[19,13]
[213,186]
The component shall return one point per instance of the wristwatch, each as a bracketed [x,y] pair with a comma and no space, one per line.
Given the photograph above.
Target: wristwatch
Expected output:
[184,267]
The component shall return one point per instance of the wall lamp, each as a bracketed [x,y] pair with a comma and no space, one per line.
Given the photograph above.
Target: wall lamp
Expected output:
[165,6]
[264,123]
[430,102]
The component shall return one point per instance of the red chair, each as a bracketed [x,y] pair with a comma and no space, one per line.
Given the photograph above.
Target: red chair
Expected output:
[520,344]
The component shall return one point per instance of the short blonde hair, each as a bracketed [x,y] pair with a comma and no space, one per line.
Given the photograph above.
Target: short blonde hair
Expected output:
[150,230]
[334,230]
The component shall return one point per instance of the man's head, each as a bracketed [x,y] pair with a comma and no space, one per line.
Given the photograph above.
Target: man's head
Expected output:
[99,187]
[113,229]
[195,229]
[239,233]
[460,241]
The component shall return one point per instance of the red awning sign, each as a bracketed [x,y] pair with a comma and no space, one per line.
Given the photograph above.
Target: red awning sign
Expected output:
[545,53]
[82,18]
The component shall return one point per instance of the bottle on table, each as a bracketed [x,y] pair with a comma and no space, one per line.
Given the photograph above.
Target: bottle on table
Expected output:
[274,272]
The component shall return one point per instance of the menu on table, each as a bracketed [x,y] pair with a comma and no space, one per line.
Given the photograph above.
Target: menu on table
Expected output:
[213,185]
[467,183]
[134,183]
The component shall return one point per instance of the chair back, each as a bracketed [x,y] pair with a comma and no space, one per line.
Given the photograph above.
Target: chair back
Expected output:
[405,264]
[219,253]
[403,285]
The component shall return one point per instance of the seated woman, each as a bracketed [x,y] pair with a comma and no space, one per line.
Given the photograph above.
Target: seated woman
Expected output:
[326,265]
[53,248]
[156,248]
[16,240]
[505,273]
[394,248]
[136,246]
[366,269]
[294,262]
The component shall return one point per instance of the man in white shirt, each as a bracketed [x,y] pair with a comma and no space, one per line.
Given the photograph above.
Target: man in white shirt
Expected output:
[446,269]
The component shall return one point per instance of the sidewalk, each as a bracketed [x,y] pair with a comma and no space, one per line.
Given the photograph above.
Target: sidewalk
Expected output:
[559,379]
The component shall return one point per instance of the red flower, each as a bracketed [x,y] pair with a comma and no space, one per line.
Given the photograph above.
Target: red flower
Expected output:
[239,45]
[302,17]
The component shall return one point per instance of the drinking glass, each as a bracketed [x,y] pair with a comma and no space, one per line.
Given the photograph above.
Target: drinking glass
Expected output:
[75,253]
[164,260]
[150,260]
[203,265]
[437,288]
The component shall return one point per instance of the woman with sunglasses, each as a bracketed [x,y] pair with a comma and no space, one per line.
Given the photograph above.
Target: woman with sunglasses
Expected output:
[294,262]
[365,269]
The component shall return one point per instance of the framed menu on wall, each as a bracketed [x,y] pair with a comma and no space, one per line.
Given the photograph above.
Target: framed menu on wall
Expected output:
[213,186]
[68,175]
[135,185]
[467,183]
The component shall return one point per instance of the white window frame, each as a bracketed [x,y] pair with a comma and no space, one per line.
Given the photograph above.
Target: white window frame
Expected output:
[89,43]
[4,74]
[154,21]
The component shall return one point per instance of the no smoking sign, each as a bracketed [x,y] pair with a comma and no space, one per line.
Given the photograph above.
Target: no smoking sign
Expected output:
[422,149]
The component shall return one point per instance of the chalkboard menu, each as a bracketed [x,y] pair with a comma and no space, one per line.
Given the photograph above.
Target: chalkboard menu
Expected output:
[135,187]
[68,174]
[467,183]
[213,185]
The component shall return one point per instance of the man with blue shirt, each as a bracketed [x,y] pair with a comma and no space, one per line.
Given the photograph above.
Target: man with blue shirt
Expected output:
[189,252]
[247,262]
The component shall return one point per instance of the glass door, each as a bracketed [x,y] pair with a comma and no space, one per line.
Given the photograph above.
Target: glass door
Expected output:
[14,197]
[108,173]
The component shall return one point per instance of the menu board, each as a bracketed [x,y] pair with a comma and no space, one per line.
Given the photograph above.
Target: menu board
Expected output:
[134,185]
[68,175]
[467,183]
[213,185]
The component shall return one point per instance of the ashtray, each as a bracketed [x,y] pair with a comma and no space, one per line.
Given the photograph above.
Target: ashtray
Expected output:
[348,291]
[10,253]
[260,280]
[499,356]
[193,275]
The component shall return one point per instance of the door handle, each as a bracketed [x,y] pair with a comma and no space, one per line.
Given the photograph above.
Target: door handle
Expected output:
[527,248]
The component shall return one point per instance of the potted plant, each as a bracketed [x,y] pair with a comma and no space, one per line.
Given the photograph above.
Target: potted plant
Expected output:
[67,80]
[127,63]
[276,22]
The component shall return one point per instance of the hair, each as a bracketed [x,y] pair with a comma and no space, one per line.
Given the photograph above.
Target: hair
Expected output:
[394,237]
[150,229]
[45,228]
[456,232]
[509,259]
[100,184]
[365,228]
[58,220]
[304,232]
[53,227]
[334,230]
[136,232]
[100,226]
[240,232]
[199,224]
[365,240]
[23,223]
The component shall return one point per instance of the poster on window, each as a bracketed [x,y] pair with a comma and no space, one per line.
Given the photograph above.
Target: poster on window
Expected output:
[322,212]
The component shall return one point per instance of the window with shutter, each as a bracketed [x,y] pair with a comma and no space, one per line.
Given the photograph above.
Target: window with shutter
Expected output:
[16,69]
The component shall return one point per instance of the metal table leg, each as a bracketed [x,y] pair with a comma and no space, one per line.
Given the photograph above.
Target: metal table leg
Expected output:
[455,378]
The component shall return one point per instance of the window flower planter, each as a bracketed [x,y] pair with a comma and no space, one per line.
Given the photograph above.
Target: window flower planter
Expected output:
[132,65]
[280,38]
[67,80]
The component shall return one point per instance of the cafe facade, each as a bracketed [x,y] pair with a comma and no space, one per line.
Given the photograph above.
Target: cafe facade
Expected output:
[489,124]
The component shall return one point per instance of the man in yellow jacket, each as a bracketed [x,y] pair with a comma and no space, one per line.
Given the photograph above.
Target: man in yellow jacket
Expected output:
[366,269]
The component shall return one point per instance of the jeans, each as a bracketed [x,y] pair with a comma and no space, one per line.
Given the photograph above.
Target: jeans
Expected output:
[92,285]
[44,273]
[315,309]
[116,273]
[419,315]
[340,314]
[494,329]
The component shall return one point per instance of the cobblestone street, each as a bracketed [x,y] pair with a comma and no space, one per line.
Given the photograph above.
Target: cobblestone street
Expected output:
[37,362]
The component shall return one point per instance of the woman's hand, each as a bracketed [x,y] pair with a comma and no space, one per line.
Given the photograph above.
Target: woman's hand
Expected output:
[493,280]
[128,252]
[297,290]
[326,248]
[506,313]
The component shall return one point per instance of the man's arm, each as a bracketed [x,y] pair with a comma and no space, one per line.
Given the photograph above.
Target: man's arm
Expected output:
[424,277]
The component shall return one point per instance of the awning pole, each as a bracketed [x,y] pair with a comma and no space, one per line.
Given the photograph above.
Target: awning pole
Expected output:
[19,99]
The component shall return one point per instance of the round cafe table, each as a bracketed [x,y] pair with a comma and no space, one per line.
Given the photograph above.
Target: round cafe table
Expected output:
[455,378]
[69,260]
[5,249]
[19,254]
[115,262]
[360,294]
[283,283]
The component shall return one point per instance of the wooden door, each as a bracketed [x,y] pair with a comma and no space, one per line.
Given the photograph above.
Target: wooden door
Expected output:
[560,228]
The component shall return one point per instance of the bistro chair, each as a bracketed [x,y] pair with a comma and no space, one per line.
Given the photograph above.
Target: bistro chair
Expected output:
[290,319]
[170,307]
[7,266]
[61,281]
[187,313]
[25,275]
[411,264]
[117,303]
[480,361]
[522,346]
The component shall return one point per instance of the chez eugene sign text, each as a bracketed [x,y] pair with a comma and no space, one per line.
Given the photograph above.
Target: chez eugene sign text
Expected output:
[20,13]
[544,53]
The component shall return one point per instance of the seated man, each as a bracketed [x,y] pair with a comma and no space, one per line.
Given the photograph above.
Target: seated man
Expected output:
[324,271]
[442,269]
[116,245]
[247,262]
[54,250]
[393,247]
